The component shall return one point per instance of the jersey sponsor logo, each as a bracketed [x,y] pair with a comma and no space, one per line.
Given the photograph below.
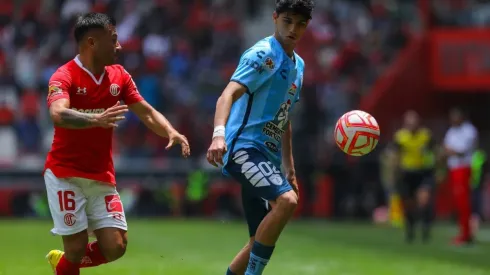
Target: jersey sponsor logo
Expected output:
[259,175]
[113,203]
[114,89]
[70,219]
[81,91]
[275,128]
[269,63]
[260,54]
[89,111]
[272,146]
[253,64]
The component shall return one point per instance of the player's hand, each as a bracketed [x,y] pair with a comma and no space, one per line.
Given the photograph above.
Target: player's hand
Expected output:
[112,115]
[216,151]
[291,177]
[176,138]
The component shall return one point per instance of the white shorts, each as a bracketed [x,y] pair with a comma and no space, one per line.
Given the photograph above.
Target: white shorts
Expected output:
[78,204]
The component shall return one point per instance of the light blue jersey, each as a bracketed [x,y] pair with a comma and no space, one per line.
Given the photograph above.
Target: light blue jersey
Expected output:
[259,118]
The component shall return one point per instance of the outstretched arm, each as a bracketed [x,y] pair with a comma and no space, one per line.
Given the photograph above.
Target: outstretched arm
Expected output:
[156,122]
[152,119]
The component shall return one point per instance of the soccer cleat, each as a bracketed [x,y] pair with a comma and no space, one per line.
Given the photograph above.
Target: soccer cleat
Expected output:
[54,257]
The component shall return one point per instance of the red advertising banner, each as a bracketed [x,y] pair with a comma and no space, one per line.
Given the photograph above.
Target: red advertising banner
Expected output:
[460,59]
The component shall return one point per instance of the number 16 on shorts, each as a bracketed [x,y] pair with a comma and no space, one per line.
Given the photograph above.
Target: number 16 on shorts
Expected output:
[67,202]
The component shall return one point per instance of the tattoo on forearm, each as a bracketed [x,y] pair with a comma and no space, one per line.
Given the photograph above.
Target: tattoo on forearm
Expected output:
[74,119]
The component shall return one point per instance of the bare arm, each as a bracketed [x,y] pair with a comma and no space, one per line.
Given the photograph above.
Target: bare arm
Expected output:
[218,148]
[64,117]
[156,122]
[287,150]
[153,119]
[231,94]
[287,158]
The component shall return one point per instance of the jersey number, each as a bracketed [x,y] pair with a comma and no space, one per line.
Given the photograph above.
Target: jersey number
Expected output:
[67,203]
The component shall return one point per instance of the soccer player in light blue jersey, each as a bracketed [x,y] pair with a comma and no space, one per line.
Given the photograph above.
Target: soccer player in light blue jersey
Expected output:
[252,135]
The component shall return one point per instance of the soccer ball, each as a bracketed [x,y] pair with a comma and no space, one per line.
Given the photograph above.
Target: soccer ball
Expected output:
[356,133]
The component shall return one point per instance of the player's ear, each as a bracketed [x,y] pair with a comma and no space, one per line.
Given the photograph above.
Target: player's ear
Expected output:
[275,16]
[91,41]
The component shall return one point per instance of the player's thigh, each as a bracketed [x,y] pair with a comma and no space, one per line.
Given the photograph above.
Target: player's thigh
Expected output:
[104,207]
[408,185]
[255,209]
[257,175]
[67,203]
[107,220]
[426,187]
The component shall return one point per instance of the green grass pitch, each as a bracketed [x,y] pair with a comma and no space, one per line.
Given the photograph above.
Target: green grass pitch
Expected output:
[178,247]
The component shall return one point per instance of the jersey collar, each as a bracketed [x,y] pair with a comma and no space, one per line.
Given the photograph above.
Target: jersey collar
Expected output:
[97,81]
[279,46]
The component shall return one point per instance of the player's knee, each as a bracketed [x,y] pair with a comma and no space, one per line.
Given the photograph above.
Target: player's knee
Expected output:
[116,250]
[423,197]
[288,201]
[75,249]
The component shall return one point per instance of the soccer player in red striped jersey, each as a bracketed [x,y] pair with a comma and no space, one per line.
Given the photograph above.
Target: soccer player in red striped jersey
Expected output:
[85,105]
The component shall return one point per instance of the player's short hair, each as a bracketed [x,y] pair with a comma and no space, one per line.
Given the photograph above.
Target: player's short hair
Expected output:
[90,21]
[301,7]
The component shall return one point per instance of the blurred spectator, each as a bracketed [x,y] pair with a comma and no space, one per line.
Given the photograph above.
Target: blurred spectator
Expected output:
[460,143]
[181,54]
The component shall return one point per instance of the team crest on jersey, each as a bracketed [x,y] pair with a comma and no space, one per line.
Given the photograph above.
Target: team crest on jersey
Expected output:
[269,63]
[292,90]
[115,90]
[275,128]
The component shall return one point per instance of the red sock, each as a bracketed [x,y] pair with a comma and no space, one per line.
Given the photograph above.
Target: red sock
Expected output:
[66,267]
[93,256]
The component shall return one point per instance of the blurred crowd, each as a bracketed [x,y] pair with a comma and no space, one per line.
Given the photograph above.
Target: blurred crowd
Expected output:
[181,54]
[461,13]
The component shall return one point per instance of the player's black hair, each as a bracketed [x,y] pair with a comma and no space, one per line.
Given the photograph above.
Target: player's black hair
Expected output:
[90,21]
[301,7]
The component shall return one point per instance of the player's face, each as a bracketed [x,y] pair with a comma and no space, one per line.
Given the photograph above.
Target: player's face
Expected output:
[290,27]
[455,117]
[411,120]
[107,46]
